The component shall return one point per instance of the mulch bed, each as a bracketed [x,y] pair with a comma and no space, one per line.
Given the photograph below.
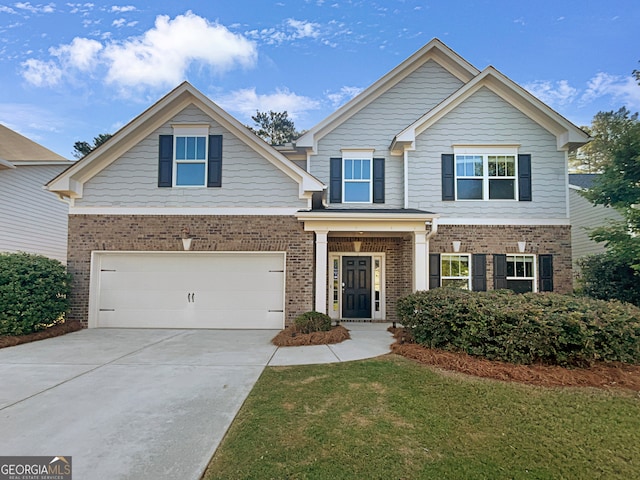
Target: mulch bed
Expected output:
[600,375]
[290,338]
[56,330]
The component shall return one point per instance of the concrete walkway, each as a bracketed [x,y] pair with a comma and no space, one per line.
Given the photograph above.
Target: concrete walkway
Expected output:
[144,404]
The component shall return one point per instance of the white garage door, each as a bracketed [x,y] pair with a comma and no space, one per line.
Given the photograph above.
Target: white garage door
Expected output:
[188,290]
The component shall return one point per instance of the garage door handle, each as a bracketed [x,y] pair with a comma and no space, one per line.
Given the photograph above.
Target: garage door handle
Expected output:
[191,297]
[279,311]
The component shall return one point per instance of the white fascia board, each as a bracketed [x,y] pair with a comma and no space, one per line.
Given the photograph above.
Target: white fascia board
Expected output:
[504,221]
[566,133]
[434,50]
[193,211]
[6,164]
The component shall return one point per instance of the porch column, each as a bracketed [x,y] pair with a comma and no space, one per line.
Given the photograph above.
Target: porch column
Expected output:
[321,271]
[420,256]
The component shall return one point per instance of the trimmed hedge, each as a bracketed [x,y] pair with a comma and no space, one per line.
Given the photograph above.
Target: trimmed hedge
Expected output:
[546,328]
[310,322]
[33,293]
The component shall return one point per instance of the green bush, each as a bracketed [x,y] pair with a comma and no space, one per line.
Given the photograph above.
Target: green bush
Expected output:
[310,322]
[543,328]
[607,277]
[33,293]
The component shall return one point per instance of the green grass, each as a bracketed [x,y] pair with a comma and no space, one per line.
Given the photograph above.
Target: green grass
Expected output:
[391,418]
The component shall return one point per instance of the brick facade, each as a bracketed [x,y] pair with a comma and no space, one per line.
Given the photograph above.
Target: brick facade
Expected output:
[490,239]
[210,233]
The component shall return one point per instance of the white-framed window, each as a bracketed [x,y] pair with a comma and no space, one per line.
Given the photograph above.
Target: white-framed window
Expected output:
[190,156]
[484,173]
[357,176]
[521,273]
[455,270]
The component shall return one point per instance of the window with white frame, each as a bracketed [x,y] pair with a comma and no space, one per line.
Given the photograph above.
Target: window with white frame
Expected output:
[357,184]
[485,174]
[190,156]
[455,271]
[521,273]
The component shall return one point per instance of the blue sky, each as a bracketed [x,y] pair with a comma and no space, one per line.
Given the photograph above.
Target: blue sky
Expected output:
[69,71]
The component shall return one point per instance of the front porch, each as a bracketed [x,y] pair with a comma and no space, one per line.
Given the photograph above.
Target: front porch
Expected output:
[366,259]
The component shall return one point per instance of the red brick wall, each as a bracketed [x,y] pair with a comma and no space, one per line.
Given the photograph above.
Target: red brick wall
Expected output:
[210,233]
[490,239]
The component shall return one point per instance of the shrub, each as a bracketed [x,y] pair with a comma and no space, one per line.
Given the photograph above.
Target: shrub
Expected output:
[33,293]
[607,277]
[310,322]
[532,328]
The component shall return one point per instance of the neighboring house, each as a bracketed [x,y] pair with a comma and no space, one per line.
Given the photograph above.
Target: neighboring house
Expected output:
[32,219]
[437,174]
[584,217]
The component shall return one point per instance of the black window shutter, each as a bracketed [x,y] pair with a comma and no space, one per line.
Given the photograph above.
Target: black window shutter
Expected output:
[479,271]
[524,178]
[335,180]
[546,273]
[378,180]
[214,176]
[434,270]
[499,272]
[448,178]
[165,161]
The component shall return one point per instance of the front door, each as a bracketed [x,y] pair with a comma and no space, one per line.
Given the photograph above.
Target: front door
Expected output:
[356,292]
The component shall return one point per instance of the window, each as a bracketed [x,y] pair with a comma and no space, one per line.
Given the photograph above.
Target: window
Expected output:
[191,161]
[521,273]
[485,176]
[455,271]
[357,180]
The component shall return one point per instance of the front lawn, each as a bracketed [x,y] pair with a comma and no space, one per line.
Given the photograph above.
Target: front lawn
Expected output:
[391,418]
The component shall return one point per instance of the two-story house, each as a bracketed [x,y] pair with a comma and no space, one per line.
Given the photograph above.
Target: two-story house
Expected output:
[437,174]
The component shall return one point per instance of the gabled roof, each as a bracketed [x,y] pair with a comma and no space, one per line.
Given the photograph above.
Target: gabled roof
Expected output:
[582,181]
[70,182]
[15,148]
[434,50]
[568,136]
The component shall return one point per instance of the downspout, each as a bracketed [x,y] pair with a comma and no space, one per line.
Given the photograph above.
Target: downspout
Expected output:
[430,235]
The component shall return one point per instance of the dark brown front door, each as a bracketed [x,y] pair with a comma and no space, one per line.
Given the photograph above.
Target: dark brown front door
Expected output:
[356,294]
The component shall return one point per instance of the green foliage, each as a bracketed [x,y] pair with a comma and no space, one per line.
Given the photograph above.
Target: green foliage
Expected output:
[532,328]
[275,128]
[33,293]
[608,277]
[81,149]
[310,322]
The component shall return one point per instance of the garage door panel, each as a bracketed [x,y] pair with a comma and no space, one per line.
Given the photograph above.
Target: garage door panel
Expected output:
[191,290]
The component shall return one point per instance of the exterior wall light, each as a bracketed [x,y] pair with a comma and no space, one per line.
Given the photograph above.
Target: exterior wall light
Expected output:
[456,246]
[356,245]
[186,238]
[522,246]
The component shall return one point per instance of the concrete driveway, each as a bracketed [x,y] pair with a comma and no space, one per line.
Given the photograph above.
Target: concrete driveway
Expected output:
[135,404]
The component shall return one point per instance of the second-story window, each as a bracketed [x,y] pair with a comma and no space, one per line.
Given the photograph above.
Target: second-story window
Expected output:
[485,175]
[190,161]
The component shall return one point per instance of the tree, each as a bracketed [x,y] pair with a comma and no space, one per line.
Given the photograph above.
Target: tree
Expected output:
[275,128]
[617,146]
[81,149]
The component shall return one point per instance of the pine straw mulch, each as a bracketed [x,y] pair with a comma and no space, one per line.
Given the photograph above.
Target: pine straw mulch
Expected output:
[290,338]
[600,375]
[54,331]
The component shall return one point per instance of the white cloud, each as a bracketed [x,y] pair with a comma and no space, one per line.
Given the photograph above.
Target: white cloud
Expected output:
[127,8]
[246,101]
[303,29]
[343,95]
[158,58]
[118,22]
[41,73]
[553,93]
[290,30]
[81,53]
[619,88]
[49,8]
[5,9]
[164,53]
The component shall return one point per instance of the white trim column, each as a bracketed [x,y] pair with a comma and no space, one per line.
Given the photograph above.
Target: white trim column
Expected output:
[321,271]
[420,257]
